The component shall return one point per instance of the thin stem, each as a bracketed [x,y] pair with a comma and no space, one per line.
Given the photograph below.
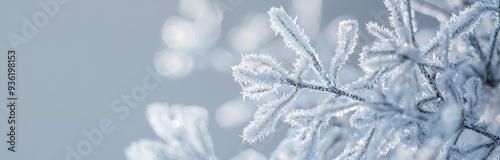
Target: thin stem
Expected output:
[383,106]
[410,22]
[369,140]
[493,146]
[483,132]
[421,103]
[493,44]
[458,136]
[332,89]
[475,148]
[431,78]
[475,44]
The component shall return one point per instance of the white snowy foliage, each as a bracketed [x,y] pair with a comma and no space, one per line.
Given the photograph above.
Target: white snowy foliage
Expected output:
[348,35]
[183,132]
[379,31]
[295,39]
[259,74]
[412,98]
[411,93]
[266,117]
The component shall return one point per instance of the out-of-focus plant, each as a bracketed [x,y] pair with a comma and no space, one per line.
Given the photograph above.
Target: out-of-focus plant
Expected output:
[183,132]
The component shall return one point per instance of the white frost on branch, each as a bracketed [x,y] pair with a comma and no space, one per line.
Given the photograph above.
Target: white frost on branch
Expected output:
[409,96]
[412,95]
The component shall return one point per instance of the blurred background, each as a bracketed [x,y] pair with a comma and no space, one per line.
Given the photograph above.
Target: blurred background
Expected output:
[85,55]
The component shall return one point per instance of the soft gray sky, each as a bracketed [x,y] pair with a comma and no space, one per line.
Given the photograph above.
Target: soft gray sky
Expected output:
[92,52]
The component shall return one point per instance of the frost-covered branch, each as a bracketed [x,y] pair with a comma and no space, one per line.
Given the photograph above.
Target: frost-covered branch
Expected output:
[414,98]
[295,39]
[410,94]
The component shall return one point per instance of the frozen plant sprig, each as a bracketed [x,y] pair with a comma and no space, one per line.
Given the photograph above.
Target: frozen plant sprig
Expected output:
[411,93]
